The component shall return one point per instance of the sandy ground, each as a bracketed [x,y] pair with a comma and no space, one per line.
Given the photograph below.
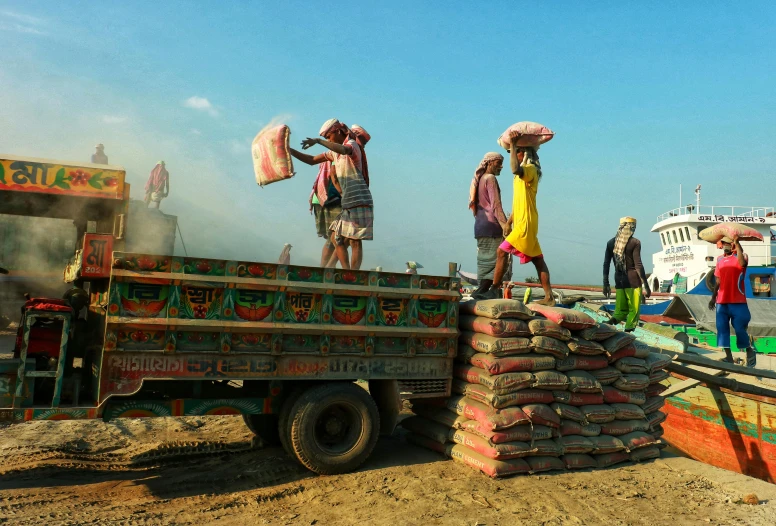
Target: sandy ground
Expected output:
[83,472]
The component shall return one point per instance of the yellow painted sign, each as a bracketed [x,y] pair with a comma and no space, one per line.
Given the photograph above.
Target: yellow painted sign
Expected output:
[61,178]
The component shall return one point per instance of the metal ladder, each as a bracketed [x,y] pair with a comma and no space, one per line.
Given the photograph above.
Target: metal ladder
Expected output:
[30,318]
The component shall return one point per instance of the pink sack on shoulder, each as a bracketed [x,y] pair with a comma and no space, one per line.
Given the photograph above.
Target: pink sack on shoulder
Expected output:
[531,134]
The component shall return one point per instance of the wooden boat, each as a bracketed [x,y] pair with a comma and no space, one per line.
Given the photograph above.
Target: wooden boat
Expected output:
[717,413]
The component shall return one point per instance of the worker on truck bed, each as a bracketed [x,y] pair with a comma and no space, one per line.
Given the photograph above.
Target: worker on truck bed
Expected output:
[325,204]
[523,240]
[355,222]
[490,221]
[629,275]
[730,301]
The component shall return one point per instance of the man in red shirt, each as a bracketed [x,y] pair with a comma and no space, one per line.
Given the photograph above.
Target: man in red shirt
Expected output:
[730,301]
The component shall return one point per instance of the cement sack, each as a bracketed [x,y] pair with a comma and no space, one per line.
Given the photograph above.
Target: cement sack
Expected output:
[495,346]
[623,427]
[598,333]
[715,234]
[568,412]
[577,461]
[498,383]
[492,468]
[440,415]
[656,361]
[492,419]
[543,464]
[582,363]
[542,414]
[500,328]
[427,428]
[632,382]
[551,381]
[496,309]
[618,341]
[643,350]
[655,389]
[272,161]
[578,399]
[631,365]
[482,394]
[604,444]
[548,328]
[548,448]
[637,439]
[658,376]
[657,431]
[645,453]
[612,395]
[508,364]
[522,433]
[583,382]
[585,347]
[505,451]
[606,376]
[607,460]
[655,419]
[628,412]
[654,403]
[427,443]
[530,134]
[574,444]
[551,346]
[569,427]
[567,318]
[598,414]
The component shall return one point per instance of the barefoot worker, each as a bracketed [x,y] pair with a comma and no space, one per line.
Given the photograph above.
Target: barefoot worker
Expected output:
[629,275]
[523,241]
[490,222]
[355,222]
[730,301]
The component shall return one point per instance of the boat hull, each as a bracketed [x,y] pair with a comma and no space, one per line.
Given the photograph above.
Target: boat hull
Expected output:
[728,430]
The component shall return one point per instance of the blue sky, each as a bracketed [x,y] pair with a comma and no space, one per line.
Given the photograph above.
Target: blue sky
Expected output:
[641,98]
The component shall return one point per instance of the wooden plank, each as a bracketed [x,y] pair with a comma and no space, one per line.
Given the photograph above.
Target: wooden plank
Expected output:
[684,385]
[723,366]
[727,383]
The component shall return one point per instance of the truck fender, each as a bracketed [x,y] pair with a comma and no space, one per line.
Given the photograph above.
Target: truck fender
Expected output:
[386,395]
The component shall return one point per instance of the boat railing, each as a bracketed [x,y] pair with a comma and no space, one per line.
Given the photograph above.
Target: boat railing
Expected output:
[710,210]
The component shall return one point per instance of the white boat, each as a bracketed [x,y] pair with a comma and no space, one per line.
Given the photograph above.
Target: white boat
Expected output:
[685,259]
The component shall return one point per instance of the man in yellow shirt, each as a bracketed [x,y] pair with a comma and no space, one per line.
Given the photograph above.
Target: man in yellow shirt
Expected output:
[523,241]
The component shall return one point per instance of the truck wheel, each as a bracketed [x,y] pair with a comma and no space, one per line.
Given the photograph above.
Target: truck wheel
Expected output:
[334,428]
[284,421]
[264,427]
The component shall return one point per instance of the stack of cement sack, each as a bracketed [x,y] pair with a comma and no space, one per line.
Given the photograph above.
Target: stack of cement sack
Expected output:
[543,388]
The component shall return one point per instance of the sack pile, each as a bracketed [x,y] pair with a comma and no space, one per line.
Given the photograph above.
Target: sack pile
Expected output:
[544,388]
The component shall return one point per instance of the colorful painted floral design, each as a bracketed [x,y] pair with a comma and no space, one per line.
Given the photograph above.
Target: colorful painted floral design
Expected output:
[391,318]
[111,182]
[200,311]
[79,177]
[301,315]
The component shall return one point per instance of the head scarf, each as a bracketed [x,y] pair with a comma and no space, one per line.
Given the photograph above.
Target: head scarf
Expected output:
[157,179]
[285,256]
[362,137]
[624,233]
[532,156]
[478,173]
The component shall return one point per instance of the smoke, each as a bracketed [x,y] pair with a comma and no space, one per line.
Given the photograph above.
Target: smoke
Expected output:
[277,120]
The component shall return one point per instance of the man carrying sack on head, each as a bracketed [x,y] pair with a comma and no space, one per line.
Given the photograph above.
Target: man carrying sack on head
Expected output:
[628,274]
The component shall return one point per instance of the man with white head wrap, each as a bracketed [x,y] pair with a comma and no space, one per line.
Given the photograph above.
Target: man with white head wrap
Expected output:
[629,275]
[356,221]
[99,157]
[490,221]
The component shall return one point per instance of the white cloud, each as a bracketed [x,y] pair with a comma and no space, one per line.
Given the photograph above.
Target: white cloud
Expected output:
[114,119]
[200,104]
[195,131]
[20,23]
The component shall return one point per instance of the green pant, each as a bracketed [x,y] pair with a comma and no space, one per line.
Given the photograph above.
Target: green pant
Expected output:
[627,305]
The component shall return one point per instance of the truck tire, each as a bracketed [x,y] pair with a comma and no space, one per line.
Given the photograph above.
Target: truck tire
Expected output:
[334,428]
[284,421]
[264,427]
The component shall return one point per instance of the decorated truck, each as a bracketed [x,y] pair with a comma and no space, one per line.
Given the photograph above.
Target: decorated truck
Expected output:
[314,359]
